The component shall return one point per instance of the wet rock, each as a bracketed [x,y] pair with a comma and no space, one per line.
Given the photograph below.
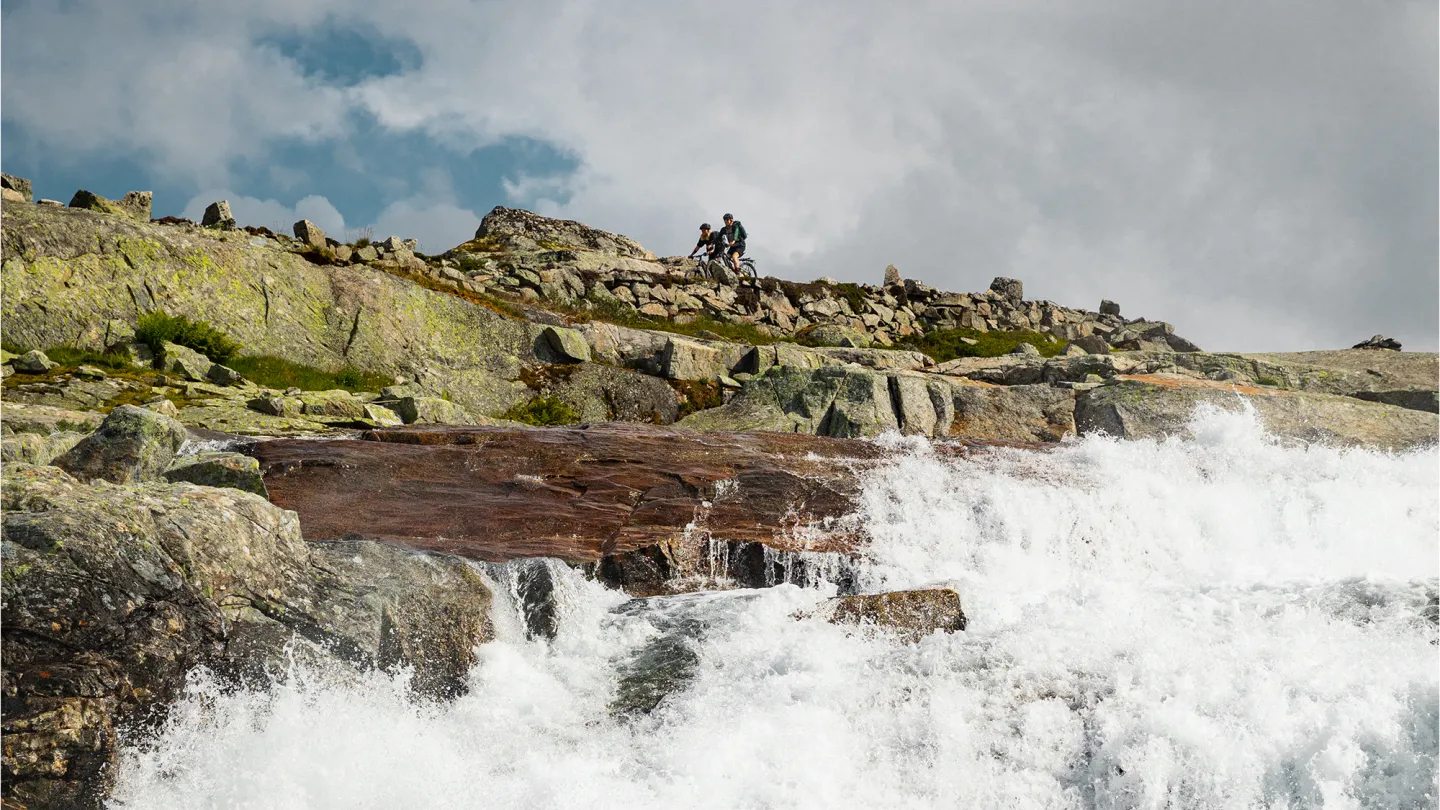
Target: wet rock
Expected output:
[133,444]
[33,362]
[217,215]
[1379,342]
[219,469]
[912,615]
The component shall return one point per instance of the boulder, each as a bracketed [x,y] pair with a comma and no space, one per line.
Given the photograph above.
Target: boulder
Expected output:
[1153,407]
[829,334]
[1010,290]
[224,375]
[157,579]
[133,444]
[1412,398]
[33,362]
[569,344]
[430,411]
[600,393]
[1108,307]
[394,243]
[366,254]
[10,195]
[336,403]
[516,231]
[34,448]
[217,215]
[309,233]
[1023,414]
[135,204]
[1025,349]
[277,406]
[912,615]
[219,469]
[19,185]
[21,417]
[1379,342]
[892,276]
[186,362]
[684,359]
[1092,344]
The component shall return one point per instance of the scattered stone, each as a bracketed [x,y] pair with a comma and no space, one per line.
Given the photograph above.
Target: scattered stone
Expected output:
[366,254]
[892,276]
[33,362]
[343,253]
[394,243]
[1092,344]
[567,343]
[135,204]
[1379,342]
[90,373]
[19,185]
[911,614]
[224,375]
[1025,349]
[217,215]
[309,233]
[1010,289]
[219,469]
[133,444]
[161,405]
[1108,307]
[186,362]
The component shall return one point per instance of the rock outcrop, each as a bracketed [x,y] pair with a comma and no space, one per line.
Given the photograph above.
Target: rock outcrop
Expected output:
[910,614]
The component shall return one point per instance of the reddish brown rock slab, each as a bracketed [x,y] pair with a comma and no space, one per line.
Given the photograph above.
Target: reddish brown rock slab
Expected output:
[581,494]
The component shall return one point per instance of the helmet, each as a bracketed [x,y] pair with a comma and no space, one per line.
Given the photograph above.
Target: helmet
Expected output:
[704,226]
[728,216]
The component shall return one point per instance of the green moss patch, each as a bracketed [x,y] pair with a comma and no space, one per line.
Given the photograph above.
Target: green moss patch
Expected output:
[696,395]
[542,410]
[277,372]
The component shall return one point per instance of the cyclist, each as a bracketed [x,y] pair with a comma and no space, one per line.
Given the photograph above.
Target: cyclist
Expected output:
[735,234]
[712,242]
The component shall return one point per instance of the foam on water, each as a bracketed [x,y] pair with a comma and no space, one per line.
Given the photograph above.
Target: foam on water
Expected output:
[1219,622]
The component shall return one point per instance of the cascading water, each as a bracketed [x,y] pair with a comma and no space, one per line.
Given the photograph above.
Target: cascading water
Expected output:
[1220,622]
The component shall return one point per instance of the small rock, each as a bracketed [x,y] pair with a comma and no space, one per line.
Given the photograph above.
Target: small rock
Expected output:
[286,406]
[969,341]
[224,375]
[1379,342]
[161,405]
[219,469]
[913,614]
[90,373]
[33,362]
[410,244]
[217,215]
[51,203]
[1075,351]
[186,362]
[309,233]
[382,416]
[343,253]
[394,243]
[1025,349]
[11,195]
[133,444]
[1108,307]
[1009,289]
[19,185]
[892,276]
[366,254]
[567,343]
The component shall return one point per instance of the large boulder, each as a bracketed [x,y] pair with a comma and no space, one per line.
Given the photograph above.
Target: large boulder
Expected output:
[186,362]
[134,205]
[33,362]
[19,185]
[912,615]
[1023,414]
[157,579]
[217,215]
[1379,342]
[133,444]
[431,411]
[1156,407]
[309,233]
[1009,289]
[514,230]
[568,344]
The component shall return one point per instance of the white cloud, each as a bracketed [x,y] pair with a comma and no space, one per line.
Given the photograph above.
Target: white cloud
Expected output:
[1262,175]
[272,214]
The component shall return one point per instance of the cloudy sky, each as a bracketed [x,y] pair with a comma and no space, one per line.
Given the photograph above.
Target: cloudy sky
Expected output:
[1263,175]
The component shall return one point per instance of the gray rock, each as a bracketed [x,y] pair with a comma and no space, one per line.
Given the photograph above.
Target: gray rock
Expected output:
[394,243]
[217,215]
[892,276]
[133,444]
[135,204]
[1009,289]
[1024,414]
[33,362]
[1108,307]
[1414,399]
[911,614]
[569,344]
[19,185]
[366,254]
[161,405]
[431,411]
[33,448]
[1092,344]
[1025,349]
[288,407]
[224,375]
[336,403]
[219,469]
[186,362]
[1379,342]
[90,373]
[309,233]
[828,334]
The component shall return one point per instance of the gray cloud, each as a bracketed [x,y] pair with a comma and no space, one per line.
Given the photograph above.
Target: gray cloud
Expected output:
[1262,175]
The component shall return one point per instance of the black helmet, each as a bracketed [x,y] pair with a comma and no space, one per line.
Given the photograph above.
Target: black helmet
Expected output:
[727,216]
[704,226]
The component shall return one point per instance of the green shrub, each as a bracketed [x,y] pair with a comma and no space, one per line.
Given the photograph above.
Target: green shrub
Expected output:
[946,344]
[277,372]
[155,329]
[542,410]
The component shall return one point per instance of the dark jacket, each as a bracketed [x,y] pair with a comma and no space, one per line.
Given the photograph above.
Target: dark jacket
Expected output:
[735,232]
[714,244]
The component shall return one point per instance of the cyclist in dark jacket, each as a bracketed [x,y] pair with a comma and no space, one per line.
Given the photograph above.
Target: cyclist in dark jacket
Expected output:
[712,242]
[735,234]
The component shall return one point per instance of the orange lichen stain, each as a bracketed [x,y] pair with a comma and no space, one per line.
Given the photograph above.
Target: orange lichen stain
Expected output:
[1183,382]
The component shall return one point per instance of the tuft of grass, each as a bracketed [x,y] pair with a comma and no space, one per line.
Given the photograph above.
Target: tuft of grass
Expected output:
[71,356]
[697,396]
[542,410]
[277,372]
[155,329]
[946,344]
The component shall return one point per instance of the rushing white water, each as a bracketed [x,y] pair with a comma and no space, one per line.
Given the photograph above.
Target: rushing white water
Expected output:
[1223,622]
